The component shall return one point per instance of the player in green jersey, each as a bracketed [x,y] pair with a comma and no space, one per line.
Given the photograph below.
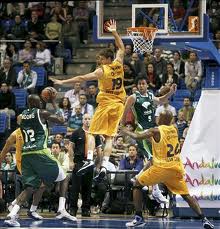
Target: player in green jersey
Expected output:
[38,165]
[143,103]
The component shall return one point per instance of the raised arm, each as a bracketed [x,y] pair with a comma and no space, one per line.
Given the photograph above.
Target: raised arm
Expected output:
[129,103]
[9,142]
[98,73]
[111,27]
[163,99]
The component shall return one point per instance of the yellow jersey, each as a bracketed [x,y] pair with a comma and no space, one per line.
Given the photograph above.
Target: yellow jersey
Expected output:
[111,84]
[19,143]
[166,152]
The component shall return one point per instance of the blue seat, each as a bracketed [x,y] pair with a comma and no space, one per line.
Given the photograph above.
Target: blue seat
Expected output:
[181,94]
[20,97]
[177,104]
[182,84]
[41,75]
[197,95]
[58,129]
[3,122]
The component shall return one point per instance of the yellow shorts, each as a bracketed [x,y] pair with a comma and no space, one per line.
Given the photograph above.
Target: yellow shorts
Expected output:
[172,178]
[106,119]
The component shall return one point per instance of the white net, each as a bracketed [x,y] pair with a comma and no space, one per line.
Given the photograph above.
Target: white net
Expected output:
[142,38]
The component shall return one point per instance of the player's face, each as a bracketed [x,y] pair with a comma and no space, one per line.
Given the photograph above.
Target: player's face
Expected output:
[105,60]
[142,86]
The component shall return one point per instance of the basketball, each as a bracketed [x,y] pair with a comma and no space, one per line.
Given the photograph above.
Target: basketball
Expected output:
[48,94]
[164,90]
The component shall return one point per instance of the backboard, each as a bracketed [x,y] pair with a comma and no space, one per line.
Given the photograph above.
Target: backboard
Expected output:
[175,21]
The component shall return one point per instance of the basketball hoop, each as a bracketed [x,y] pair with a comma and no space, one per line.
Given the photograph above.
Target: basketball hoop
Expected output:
[142,38]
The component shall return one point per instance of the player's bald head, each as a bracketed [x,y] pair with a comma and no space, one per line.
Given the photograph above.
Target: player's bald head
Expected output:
[165,118]
[34,101]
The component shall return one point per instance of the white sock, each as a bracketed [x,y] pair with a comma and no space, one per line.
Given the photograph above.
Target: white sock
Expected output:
[14,211]
[90,155]
[62,201]
[14,202]
[156,188]
[33,208]
[105,161]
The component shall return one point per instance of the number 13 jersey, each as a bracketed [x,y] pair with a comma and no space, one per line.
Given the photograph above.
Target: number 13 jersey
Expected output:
[111,84]
[34,132]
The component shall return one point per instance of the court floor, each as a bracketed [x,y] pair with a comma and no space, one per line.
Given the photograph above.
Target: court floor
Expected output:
[112,223]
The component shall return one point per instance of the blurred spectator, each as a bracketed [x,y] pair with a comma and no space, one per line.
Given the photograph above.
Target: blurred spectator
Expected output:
[70,34]
[119,149]
[217,35]
[37,7]
[12,53]
[65,107]
[181,141]
[170,77]
[73,94]
[160,64]
[137,65]
[59,12]
[82,184]
[42,56]
[59,138]
[178,11]
[165,106]
[131,162]
[27,53]
[92,12]
[15,8]
[187,109]
[128,53]
[75,121]
[7,102]
[193,72]
[60,155]
[127,139]
[181,123]
[152,78]
[34,36]
[186,129]
[81,14]
[92,94]
[17,31]
[34,24]
[129,77]
[27,78]
[85,107]
[148,58]
[113,48]
[179,65]
[8,74]
[53,29]
[97,64]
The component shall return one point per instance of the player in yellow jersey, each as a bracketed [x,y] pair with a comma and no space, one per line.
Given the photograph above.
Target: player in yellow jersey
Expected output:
[17,139]
[111,97]
[167,167]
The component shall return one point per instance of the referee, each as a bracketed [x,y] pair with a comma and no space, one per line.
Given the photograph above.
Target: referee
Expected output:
[82,184]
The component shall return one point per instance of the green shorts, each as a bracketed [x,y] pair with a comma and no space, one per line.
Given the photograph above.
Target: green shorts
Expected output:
[37,167]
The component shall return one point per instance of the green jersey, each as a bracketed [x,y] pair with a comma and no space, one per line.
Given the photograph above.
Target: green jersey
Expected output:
[35,133]
[144,110]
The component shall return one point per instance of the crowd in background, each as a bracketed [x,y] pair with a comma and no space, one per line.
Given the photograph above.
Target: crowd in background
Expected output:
[67,25]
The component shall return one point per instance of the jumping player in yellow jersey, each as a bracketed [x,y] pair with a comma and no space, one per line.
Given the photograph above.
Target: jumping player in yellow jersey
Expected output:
[17,139]
[167,167]
[111,97]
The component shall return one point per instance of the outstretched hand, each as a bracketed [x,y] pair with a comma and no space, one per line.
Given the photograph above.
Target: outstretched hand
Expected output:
[173,88]
[111,26]
[55,81]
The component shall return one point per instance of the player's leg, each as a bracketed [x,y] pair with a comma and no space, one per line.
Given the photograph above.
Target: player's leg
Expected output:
[107,152]
[37,196]
[196,208]
[175,182]
[148,177]
[89,162]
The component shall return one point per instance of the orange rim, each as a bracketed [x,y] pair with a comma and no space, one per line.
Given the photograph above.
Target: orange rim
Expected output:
[147,31]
